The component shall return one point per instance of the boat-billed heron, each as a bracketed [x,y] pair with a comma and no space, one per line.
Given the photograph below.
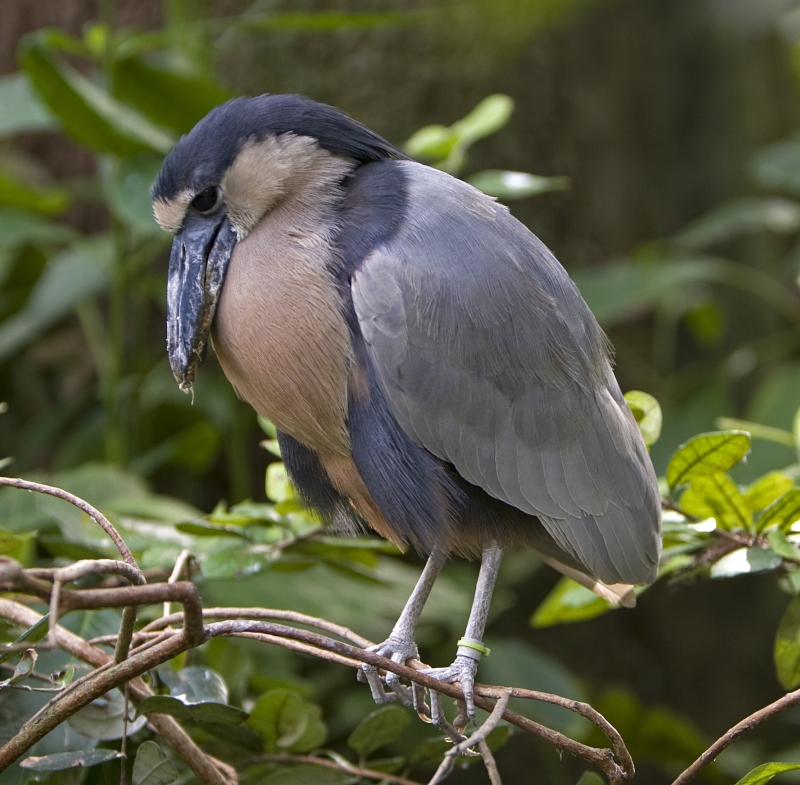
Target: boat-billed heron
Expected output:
[432,371]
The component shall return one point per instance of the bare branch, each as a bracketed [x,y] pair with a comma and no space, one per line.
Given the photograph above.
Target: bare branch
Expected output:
[267,613]
[475,738]
[748,723]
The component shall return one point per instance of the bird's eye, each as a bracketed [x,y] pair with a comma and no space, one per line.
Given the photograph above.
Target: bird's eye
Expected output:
[206,200]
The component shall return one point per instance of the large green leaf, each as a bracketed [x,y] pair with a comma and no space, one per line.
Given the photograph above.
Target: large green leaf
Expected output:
[378,729]
[18,227]
[18,194]
[20,108]
[168,98]
[707,453]
[766,490]
[197,694]
[717,495]
[787,646]
[70,276]
[765,772]
[287,722]
[568,602]
[87,113]
[152,767]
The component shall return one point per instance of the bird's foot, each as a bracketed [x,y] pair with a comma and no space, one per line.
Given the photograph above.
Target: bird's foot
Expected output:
[398,650]
[463,672]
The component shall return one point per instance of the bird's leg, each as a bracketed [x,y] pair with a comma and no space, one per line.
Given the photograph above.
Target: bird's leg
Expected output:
[470,647]
[400,645]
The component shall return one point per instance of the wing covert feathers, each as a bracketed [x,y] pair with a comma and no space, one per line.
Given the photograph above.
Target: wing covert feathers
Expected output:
[489,358]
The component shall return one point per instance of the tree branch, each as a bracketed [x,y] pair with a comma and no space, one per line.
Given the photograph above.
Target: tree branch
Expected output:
[733,735]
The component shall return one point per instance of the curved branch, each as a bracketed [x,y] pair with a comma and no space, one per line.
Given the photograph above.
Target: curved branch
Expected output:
[94,514]
[748,723]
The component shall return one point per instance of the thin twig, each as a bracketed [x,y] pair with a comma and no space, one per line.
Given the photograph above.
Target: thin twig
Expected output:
[490,763]
[476,737]
[340,764]
[181,562]
[748,723]
[94,514]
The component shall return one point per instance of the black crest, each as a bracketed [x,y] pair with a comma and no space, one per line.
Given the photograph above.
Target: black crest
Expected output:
[202,156]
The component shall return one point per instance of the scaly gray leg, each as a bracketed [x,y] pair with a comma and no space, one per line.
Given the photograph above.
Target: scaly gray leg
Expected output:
[400,645]
[471,648]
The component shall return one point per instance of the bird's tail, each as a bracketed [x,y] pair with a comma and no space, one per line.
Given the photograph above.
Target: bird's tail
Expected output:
[618,593]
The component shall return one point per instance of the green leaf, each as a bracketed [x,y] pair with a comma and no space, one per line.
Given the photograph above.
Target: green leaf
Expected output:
[306,774]
[21,109]
[378,729]
[152,767]
[15,193]
[568,601]
[8,542]
[87,113]
[716,495]
[18,227]
[487,118]
[287,722]
[515,185]
[787,646]
[765,772]
[707,453]
[31,635]
[432,142]
[206,712]
[23,669]
[69,760]
[780,543]
[278,487]
[196,693]
[328,21]
[70,276]
[778,165]
[767,489]
[781,513]
[744,561]
[590,778]
[170,99]
[104,718]
[647,413]
[127,183]
[748,215]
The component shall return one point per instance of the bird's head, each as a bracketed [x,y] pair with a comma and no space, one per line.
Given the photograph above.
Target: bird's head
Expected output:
[238,163]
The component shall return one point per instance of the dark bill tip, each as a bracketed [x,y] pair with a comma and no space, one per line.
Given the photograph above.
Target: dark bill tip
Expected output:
[197,264]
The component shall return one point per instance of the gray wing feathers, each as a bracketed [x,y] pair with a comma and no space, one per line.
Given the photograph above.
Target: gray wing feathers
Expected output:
[490,359]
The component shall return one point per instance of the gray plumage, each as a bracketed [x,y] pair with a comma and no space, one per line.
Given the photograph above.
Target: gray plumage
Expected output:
[490,359]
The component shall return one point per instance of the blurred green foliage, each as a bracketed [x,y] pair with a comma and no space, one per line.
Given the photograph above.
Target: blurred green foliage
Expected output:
[93,408]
